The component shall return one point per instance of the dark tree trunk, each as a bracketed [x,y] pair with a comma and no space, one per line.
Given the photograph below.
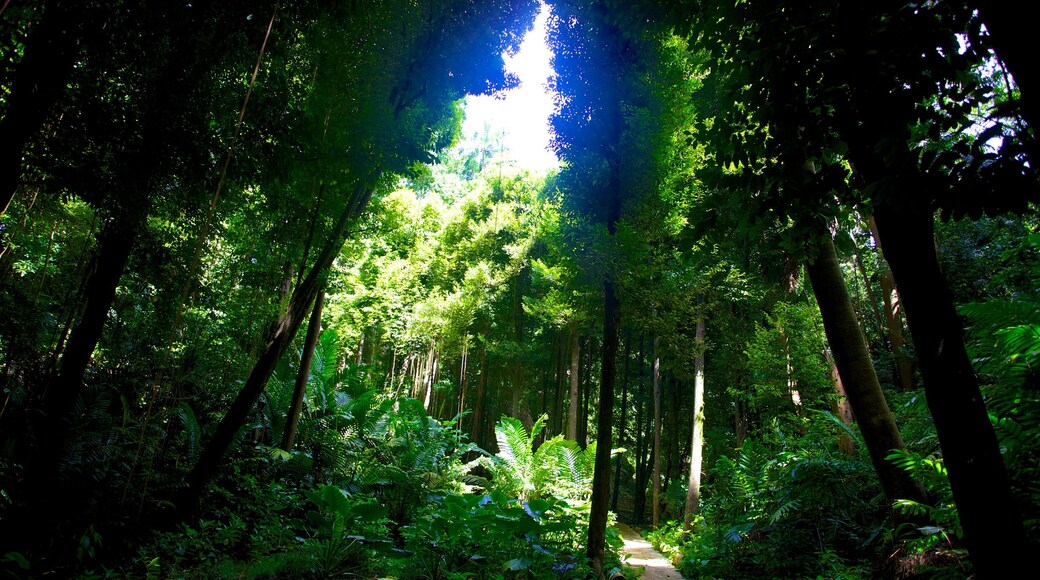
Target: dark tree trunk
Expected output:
[639,504]
[993,530]
[893,320]
[477,426]
[283,332]
[558,385]
[740,420]
[1012,38]
[303,373]
[878,426]
[585,395]
[39,82]
[624,418]
[604,438]
[655,484]
[575,372]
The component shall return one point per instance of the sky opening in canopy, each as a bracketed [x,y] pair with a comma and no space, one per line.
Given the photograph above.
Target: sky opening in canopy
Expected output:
[521,114]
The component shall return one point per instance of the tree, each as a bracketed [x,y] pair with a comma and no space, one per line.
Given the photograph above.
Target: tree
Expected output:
[871,115]
[693,486]
[420,112]
[303,374]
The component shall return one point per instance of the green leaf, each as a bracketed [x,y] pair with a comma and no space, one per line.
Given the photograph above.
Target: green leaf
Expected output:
[369,512]
[517,564]
[18,559]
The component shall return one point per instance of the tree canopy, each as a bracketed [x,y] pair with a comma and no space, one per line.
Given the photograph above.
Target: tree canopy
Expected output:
[777,304]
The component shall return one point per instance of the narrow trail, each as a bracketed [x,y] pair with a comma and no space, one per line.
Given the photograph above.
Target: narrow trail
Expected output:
[640,554]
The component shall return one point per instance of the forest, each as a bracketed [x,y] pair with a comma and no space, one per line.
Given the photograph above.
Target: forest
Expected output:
[266,311]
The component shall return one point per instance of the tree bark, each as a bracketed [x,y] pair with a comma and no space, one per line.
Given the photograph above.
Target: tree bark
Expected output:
[876,422]
[993,531]
[604,424]
[622,428]
[893,320]
[740,420]
[116,243]
[284,330]
[840,407]
[871,299]
[572,408]
[693,489]
[639,497]
[303,374]
[655,509]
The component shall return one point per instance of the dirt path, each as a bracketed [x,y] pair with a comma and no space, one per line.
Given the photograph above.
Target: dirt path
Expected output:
[640,554]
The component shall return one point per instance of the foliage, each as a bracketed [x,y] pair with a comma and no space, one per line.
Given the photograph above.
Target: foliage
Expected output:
[943,524]
[487,535]
[786,514]
[346,531]
[527,470]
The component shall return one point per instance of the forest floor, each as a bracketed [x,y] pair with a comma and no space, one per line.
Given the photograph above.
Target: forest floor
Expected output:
[640,554]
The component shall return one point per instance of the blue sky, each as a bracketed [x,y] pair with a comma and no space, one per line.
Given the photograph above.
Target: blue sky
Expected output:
[522,114]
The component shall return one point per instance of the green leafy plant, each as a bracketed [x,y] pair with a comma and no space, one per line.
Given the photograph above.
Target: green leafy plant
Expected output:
[944,526]
[557,466]
[346,531]
[488,535]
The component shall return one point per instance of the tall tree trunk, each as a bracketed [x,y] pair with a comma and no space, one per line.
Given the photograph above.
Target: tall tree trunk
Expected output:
[604,421]
[841,408]
[894,322]
[117,240]
[584,394]
[639,507]
[284,331]
[655,508]
[622,426]
[693,489]
[740,420]
[876,422]
[463,383]
[558,385]
[572,408]
[303,374]
[39,82]
[989,514]
[477,426]
[871,299]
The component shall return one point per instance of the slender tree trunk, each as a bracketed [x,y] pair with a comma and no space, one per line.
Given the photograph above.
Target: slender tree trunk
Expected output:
[871,299]
[988,511]
[693,489]
[876,422]
[584,394]
[572,409]
[285,329]
[655,509]
[622,424]
[740,420]
[896,340]
[841,408]
[477,426]
[639,506]
[116,242]
[561,378]
[518,336]
[462,386]
[303,374]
